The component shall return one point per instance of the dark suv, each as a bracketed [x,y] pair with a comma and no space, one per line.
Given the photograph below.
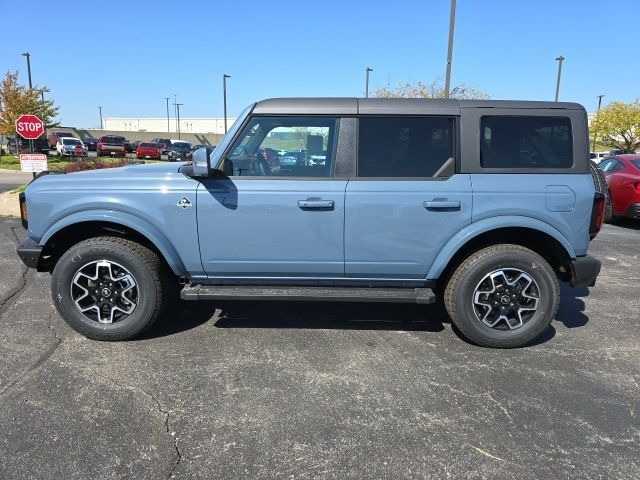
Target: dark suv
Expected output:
[179,151]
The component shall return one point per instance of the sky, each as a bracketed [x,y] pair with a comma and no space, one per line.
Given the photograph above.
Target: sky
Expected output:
[128,56]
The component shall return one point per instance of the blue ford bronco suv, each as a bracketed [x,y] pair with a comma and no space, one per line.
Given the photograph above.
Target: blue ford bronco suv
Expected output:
[487,205]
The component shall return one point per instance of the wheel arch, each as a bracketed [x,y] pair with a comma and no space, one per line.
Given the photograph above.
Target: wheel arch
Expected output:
[81,226]
[531,233]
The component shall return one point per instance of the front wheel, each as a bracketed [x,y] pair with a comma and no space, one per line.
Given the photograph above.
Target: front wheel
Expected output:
[109,288]
[502,296]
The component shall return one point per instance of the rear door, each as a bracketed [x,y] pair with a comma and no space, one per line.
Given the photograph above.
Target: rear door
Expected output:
[406,201]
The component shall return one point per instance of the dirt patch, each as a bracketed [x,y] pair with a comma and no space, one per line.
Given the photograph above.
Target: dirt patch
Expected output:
[9,206]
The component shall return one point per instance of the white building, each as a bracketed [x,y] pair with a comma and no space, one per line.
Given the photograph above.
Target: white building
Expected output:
[159,124]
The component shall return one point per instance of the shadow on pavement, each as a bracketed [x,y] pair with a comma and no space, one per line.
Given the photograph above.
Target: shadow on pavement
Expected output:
[185,316]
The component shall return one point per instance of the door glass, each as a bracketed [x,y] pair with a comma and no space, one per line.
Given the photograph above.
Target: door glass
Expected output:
[284,147]
[404,146]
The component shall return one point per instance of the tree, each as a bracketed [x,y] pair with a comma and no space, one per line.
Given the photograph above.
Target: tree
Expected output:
[618,126]
[435,89]
[16,100]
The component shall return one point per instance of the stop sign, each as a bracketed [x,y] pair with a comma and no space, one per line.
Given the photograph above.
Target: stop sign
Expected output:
[29,126]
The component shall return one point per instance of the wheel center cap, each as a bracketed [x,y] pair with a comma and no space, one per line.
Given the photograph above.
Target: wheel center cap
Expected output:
[505,299]
[106,292]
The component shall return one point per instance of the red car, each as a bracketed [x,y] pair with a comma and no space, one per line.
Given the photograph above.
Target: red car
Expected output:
[112,146]
[623,178]
[149,150]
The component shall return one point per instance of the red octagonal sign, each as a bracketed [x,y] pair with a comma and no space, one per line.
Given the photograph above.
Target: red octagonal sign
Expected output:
[29,126]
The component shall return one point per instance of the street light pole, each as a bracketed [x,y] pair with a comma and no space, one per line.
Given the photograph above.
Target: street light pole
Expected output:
[560,59]
[593,148]
[28,55]
[452,22]
[224,95]
[167,99]
[366,82]
[178,105]
[100,109]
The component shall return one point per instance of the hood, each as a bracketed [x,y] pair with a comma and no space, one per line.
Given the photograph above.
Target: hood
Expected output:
[148,168]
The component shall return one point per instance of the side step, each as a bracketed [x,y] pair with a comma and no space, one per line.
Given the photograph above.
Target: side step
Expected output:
[311,294]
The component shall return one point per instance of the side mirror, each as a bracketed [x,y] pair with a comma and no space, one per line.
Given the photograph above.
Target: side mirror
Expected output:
[201,165]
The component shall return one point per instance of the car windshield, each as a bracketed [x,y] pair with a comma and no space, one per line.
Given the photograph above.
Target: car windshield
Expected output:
[70,141]
[636,163]
[148,145]
[113,140]
[216,155]
[182,145]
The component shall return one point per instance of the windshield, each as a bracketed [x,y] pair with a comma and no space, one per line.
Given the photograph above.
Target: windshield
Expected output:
[182,145]
[147,145]
[226,140]
[113,140]
[70,141]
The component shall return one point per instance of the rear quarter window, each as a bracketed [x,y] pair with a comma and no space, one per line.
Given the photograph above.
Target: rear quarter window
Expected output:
[530,142]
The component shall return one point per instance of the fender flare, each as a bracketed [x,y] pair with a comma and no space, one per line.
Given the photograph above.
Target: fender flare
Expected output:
[134,222]
[471,231]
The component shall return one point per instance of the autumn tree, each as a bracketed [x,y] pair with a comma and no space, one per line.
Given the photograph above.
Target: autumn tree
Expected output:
[618,126]
[15,100]
[435,89]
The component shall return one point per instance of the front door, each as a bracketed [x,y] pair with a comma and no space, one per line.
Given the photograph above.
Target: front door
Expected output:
[279,212]
[407,201]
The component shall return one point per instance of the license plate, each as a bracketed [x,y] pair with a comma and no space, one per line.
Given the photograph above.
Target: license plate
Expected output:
[147,156]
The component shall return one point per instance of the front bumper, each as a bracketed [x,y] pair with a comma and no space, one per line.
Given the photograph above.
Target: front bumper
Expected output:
[584,271]
[29,252]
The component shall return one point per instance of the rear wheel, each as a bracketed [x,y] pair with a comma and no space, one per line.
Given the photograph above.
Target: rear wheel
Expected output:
[109,288]
[502,296]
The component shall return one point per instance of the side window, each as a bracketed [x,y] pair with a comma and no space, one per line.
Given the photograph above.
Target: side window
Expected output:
[284,147]
[404,146]
[526,142]
[611,166]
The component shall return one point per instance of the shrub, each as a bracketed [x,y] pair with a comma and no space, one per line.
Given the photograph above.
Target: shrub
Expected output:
[94,165]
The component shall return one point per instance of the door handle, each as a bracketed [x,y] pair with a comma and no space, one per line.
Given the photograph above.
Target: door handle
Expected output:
[316,204]
[442,205]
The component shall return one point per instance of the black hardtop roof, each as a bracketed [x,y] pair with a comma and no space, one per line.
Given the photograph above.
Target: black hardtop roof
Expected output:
[354,106]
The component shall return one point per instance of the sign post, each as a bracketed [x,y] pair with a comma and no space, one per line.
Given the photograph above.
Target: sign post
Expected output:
[29,127]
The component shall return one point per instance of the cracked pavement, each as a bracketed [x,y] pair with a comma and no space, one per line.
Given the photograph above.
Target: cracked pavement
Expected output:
[322,391]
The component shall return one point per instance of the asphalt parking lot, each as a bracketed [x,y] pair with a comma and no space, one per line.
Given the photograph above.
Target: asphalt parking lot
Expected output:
[250,390]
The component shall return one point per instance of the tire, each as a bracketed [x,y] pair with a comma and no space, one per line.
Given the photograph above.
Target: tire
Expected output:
[142,303]
[599,179]
[608,209]
[472,277]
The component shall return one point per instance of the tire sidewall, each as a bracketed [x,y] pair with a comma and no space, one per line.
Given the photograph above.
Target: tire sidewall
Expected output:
[81,255]
[538,270]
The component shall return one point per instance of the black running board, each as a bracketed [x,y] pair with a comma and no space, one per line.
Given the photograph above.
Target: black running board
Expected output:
[310,294]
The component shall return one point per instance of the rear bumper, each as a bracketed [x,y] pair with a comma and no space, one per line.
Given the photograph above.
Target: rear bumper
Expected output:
[584,271]
[29,252]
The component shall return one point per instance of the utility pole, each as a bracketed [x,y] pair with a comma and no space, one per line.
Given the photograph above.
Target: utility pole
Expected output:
[560,59]
[178,105]
[28,55]
[452,22]
[599,97]
[175,109]
[224,94]
[366,82]
[167,99]
[100,109]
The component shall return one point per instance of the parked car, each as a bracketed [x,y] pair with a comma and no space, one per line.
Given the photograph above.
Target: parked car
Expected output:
[90,143]
[293,158]
[134,145]
[166,144]
[40,145]
[149,150]
[488,204]
[67,147]
[622,173]
[271,156]
[128,146]
[179,150]
[56,135]
[111,145]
